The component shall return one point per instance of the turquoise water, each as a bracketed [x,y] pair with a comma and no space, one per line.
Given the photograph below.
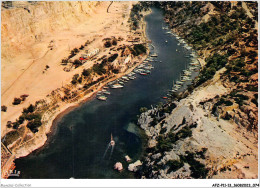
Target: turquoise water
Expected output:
[82,136]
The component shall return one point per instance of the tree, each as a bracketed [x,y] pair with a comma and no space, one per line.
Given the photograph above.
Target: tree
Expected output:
[17,101]
[75,79]
[143,109]
[64,61]
[114,42]
[3,108]
[107,44]
[30,109]
[77,63]
[86,72]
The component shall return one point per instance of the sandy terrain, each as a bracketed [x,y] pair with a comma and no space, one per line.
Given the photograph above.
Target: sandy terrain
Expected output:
[24,74]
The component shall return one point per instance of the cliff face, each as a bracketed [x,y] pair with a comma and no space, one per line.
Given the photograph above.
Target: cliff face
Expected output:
[21,26]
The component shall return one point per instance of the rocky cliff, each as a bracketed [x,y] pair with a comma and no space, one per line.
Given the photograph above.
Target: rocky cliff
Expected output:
[24,24]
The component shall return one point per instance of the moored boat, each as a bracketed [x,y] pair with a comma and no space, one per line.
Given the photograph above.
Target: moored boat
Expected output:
[116,86]
[102,98]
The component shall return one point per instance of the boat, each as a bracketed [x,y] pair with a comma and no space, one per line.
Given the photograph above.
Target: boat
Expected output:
[143,73]
[112,142]
[116,86]
[107,92]
[125,78]
[164,97]
[132,77]
[99,92]
[105,87]
[102,98]
[166,41]
[154,55]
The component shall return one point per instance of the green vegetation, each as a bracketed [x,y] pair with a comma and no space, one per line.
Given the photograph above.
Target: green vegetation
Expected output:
[86,72]
[3,108]
[198,169]
[112,58]
[64,61]
[143,109]
[214,63]
[34,125]
[165,141]
[75,79]
[174,165]
[77,63]
[30,109]
[184,133]
[86,86]
[99,69]
[107,44]
[11,137]
[17,101]
[138,49]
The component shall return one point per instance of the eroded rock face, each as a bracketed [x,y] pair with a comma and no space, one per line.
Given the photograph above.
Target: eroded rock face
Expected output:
[42,18]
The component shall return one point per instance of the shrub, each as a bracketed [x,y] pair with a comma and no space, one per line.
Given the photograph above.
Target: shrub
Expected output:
[143,109]
[184,133]
[115,71]
[16,125]
[75,79]
[77,63]
[64,62]
[3,108]
[107,44]
[32,116]
[75,50]
[114,42]
[34,124]
[21,119]
[86,72]
[198,169]
[174,165]
[9,124]
[81,47]
[112,57]
[17,101]
[30,109]
[163,130]
[139,49]
[99,69]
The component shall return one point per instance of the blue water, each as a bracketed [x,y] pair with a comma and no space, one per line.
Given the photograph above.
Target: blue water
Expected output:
[82,136]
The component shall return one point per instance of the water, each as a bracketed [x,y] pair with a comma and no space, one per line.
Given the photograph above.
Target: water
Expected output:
[77,149]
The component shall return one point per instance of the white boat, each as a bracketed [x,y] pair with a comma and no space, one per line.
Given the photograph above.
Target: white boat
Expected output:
[112,142]
[107,92]
[154,55]
[102,98]
[116,86]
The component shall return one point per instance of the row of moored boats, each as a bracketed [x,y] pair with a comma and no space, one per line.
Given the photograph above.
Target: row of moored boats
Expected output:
[142,69]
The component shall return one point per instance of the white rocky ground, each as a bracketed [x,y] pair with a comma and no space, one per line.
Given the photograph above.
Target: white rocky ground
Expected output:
[230,152]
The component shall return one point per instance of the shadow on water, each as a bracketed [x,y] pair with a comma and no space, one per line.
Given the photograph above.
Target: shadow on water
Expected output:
[78,145]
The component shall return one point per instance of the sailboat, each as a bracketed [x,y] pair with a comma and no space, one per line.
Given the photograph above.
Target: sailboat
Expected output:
[112,142]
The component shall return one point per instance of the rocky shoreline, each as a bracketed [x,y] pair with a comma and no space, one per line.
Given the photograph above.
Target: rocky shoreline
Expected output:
[188,139]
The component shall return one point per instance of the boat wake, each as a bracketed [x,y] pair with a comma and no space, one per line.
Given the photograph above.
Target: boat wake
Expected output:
[112,145]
